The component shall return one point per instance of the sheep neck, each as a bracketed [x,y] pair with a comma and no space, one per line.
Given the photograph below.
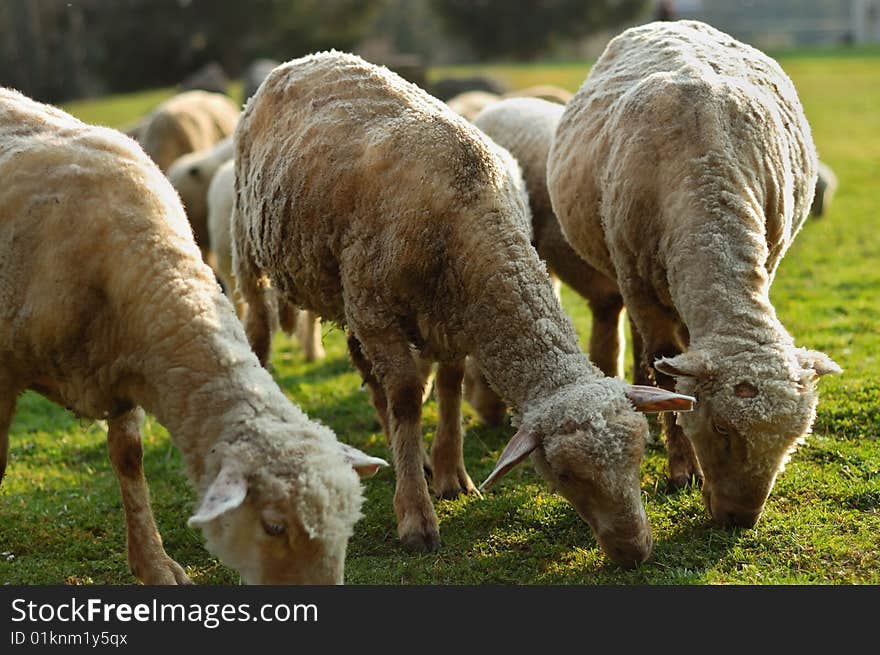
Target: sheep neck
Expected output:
[202,382]
[731,301]
[524,342]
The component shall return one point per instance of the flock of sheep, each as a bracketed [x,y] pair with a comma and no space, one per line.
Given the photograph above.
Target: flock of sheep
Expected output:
[671,184]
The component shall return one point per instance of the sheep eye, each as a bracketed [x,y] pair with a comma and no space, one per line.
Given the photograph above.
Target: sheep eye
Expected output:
[274,529]
[724,432]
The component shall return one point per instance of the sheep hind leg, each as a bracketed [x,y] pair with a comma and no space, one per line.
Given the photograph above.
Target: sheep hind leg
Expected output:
[447,455]
[146,557]
[310,336]
[377,395]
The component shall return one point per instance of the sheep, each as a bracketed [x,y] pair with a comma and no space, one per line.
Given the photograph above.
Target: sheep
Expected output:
[365,199]
[220,200]
[826,186]
[683,168]
[109,311]
[525,127]
[449,87]
[543,91]
[186,122]
[190,175]
[471,103]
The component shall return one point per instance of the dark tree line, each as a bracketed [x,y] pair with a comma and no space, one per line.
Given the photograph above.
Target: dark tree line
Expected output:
[59,49]
[524,29]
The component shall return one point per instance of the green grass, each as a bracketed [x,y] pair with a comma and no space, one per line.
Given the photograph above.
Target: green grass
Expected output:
[61,518]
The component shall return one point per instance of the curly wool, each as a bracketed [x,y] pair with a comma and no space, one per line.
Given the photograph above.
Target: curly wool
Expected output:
[123,312]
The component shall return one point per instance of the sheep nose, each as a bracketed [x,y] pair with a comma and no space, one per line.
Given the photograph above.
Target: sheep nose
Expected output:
[730,514]
[630,552]
[737,519]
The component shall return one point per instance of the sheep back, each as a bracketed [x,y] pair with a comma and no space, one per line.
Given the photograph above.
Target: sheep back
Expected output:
[680,122]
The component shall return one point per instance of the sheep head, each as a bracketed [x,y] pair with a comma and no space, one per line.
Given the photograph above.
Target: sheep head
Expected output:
[587,441]
[754,408]
[288,520]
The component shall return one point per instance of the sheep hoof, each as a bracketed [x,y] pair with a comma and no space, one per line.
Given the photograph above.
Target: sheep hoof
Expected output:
[166,572]
[457,485]
[427,542]
[683,480]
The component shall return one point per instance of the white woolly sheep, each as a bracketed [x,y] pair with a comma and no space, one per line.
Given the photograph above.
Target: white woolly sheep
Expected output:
[525,127]
[108,308]
[187,122]
[471,103]
[826,186]
[220,195]
[684,167]
[191,175]
[546,92]
[365,199]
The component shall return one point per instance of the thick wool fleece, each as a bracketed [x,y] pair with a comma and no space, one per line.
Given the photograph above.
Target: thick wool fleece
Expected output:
[370,202]
[683,168]
[187,122]
[526,127]
[107,304]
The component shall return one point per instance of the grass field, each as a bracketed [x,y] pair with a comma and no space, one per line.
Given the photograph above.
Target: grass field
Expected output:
[61,518]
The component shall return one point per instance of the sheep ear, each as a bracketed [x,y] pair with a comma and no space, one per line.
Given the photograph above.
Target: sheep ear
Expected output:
[652,399]
[819,362]
[518,448]
[681,366]
[364,465]
[226,492]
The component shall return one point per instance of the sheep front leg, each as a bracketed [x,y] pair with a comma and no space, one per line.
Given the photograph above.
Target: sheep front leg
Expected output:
[663,335]
[377,393]
[641,371]
[490,408]
[396,370]
[146,557]
[7,411]
[606,336]
[447,455]
[683,465]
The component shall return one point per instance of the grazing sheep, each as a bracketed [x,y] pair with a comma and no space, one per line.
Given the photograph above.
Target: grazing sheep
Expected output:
[187,122]
[471,103]
[684,167]
[220,200]
[108,308]
[826,186]
[365,199]
[449,87]
[546,92]
[191,175]
[525,127]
